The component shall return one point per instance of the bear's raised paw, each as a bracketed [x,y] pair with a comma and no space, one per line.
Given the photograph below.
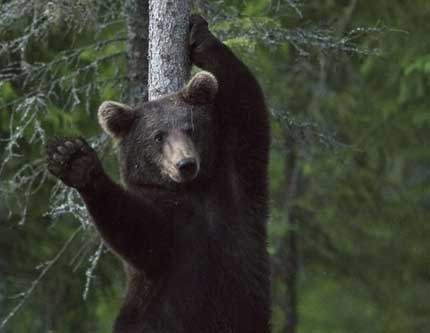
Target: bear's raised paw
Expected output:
[200,40]
[73,161]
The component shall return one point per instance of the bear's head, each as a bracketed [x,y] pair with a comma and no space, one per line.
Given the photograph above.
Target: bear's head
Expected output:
[167,142]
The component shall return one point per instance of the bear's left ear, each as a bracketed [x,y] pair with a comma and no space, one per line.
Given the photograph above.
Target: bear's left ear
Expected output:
[201,89]
[115,118]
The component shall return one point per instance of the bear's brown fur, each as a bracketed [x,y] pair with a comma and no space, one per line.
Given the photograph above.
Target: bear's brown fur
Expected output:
[190,223]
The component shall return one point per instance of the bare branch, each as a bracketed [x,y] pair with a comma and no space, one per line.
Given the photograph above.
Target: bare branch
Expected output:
[46,266]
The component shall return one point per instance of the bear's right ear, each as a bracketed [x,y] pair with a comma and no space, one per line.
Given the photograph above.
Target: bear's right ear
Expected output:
[201,89]
[115,118]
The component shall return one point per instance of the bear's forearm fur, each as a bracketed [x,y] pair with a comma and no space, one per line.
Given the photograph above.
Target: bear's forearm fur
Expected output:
[242,113]
[131,225]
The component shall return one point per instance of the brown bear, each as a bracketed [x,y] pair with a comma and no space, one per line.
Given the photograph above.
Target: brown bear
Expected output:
[189,221]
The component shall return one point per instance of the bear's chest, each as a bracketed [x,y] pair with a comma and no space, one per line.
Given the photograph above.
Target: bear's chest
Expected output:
[215,272]
[213,242]
[206,219]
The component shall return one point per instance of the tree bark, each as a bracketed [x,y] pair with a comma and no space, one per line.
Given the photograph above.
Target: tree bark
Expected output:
[168,52]
[289,251]
[291,267]
[136,17]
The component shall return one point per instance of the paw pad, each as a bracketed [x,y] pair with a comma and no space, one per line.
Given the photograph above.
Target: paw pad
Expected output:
[71,160]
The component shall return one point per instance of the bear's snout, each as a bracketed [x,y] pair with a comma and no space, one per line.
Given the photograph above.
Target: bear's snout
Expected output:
[180,160]
[188,168]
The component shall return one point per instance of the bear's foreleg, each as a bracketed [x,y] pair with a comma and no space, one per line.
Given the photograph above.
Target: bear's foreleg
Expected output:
[132,226]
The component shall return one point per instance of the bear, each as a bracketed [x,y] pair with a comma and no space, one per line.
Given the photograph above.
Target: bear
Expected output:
[189,219]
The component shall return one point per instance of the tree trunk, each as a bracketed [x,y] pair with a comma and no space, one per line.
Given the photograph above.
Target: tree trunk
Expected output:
[136,16]
[289,251]
[291,263]
[168,52]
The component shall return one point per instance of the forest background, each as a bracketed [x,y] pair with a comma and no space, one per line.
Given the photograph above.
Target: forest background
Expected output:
[347,84]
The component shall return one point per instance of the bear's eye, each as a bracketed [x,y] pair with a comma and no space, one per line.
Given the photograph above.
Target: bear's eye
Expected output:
[159,137]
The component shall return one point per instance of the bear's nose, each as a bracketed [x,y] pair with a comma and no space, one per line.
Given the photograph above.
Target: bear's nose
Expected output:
[187,168]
